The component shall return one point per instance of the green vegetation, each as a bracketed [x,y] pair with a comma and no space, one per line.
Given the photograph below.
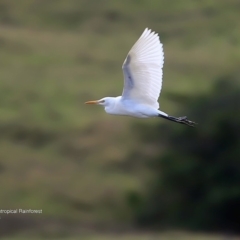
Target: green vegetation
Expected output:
[77,164]
[197,185]
[144,236]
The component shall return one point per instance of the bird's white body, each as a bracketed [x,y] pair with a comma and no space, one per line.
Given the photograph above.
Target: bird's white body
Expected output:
[142,70]
[129,107]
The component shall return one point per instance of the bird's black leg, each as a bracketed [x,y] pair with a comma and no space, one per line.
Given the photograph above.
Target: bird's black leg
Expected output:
[182,120]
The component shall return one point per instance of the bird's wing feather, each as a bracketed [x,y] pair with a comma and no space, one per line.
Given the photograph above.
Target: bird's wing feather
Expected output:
[142,70]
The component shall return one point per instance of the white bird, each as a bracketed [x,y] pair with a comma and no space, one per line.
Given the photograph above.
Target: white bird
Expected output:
[142,70]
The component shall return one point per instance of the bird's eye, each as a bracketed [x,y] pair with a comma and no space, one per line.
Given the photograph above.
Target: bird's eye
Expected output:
[102,101]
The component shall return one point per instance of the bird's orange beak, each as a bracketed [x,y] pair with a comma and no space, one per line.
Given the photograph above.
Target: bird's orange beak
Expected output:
[92,102]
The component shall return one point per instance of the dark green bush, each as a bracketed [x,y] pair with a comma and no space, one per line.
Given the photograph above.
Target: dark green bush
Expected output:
[197,178]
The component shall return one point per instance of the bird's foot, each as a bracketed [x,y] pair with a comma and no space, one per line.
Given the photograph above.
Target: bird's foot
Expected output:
[184,120]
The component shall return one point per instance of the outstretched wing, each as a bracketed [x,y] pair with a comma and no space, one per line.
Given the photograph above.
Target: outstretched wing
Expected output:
[142,70]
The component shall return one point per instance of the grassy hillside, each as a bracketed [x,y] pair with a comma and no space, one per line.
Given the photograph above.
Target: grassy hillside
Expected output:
[73,161]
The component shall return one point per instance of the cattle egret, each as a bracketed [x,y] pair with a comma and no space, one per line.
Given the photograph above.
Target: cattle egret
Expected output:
[142,70]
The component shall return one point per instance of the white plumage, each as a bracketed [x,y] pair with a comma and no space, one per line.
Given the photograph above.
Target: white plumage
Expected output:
[142,70]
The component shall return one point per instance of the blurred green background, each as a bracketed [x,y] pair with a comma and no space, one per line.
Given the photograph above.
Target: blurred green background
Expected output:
[97,176]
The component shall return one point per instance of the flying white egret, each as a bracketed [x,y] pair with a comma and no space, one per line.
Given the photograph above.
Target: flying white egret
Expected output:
[142,70]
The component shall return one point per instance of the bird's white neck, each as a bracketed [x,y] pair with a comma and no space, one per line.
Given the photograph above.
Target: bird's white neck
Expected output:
[111,104]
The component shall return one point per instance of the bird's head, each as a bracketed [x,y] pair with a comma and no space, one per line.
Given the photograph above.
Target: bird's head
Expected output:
[106,102]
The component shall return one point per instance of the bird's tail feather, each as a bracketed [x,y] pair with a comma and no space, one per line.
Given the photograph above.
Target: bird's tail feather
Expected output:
[182,120]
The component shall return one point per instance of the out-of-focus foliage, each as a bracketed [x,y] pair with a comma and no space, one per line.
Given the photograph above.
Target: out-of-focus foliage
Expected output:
[197,179]
[73,161]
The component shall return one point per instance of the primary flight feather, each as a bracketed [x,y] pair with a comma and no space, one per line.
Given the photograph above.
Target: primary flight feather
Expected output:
[142,70]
